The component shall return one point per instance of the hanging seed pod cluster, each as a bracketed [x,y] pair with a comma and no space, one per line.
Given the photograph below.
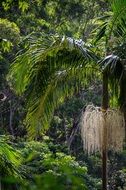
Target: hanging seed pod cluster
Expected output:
[92,122]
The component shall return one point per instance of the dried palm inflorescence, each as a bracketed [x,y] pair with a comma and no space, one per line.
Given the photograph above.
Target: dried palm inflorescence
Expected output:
[92,129]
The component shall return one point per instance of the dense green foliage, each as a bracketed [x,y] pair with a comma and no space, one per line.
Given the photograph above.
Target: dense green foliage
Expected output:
[52,54]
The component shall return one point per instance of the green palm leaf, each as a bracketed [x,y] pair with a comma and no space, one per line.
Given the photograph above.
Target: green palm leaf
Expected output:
[113,24]
[10,159]
[50,69]
[115,68]
[65,84]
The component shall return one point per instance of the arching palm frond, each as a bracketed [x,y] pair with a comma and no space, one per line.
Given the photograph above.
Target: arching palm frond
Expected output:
[65,84]
[113,25]
[48,53]
[115,68]
[118,26]
[48,71]
[10,159]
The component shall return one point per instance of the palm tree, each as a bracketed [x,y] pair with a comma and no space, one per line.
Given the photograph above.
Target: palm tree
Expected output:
[50,69]
[53,67]
[113,30]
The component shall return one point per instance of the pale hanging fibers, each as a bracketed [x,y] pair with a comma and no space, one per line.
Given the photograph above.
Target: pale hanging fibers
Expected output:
[92,129]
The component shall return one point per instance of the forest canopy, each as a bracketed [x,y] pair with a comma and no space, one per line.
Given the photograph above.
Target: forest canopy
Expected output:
[62,94]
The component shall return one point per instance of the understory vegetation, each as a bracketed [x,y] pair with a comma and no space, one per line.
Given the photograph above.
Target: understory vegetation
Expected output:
[62,73]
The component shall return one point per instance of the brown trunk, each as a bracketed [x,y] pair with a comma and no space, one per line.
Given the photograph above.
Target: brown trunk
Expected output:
[122,98]
[104,146]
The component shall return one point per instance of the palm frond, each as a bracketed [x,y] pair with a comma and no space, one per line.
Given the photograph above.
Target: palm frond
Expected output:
[65,84]
[115,68]
[113,24]
[37,53]
[101,32]
[10,159]
[50,69]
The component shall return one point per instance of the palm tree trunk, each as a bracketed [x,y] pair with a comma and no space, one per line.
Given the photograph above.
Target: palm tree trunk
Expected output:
[122,98]
[104,146]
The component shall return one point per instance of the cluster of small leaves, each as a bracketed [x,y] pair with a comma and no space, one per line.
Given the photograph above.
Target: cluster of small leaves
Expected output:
[44,169]
[118,180]
[9,34]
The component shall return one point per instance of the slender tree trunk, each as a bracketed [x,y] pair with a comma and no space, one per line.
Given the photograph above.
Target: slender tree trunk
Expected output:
[105,141]
[10,119]
[73,133]
[122,98]
[66,132]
